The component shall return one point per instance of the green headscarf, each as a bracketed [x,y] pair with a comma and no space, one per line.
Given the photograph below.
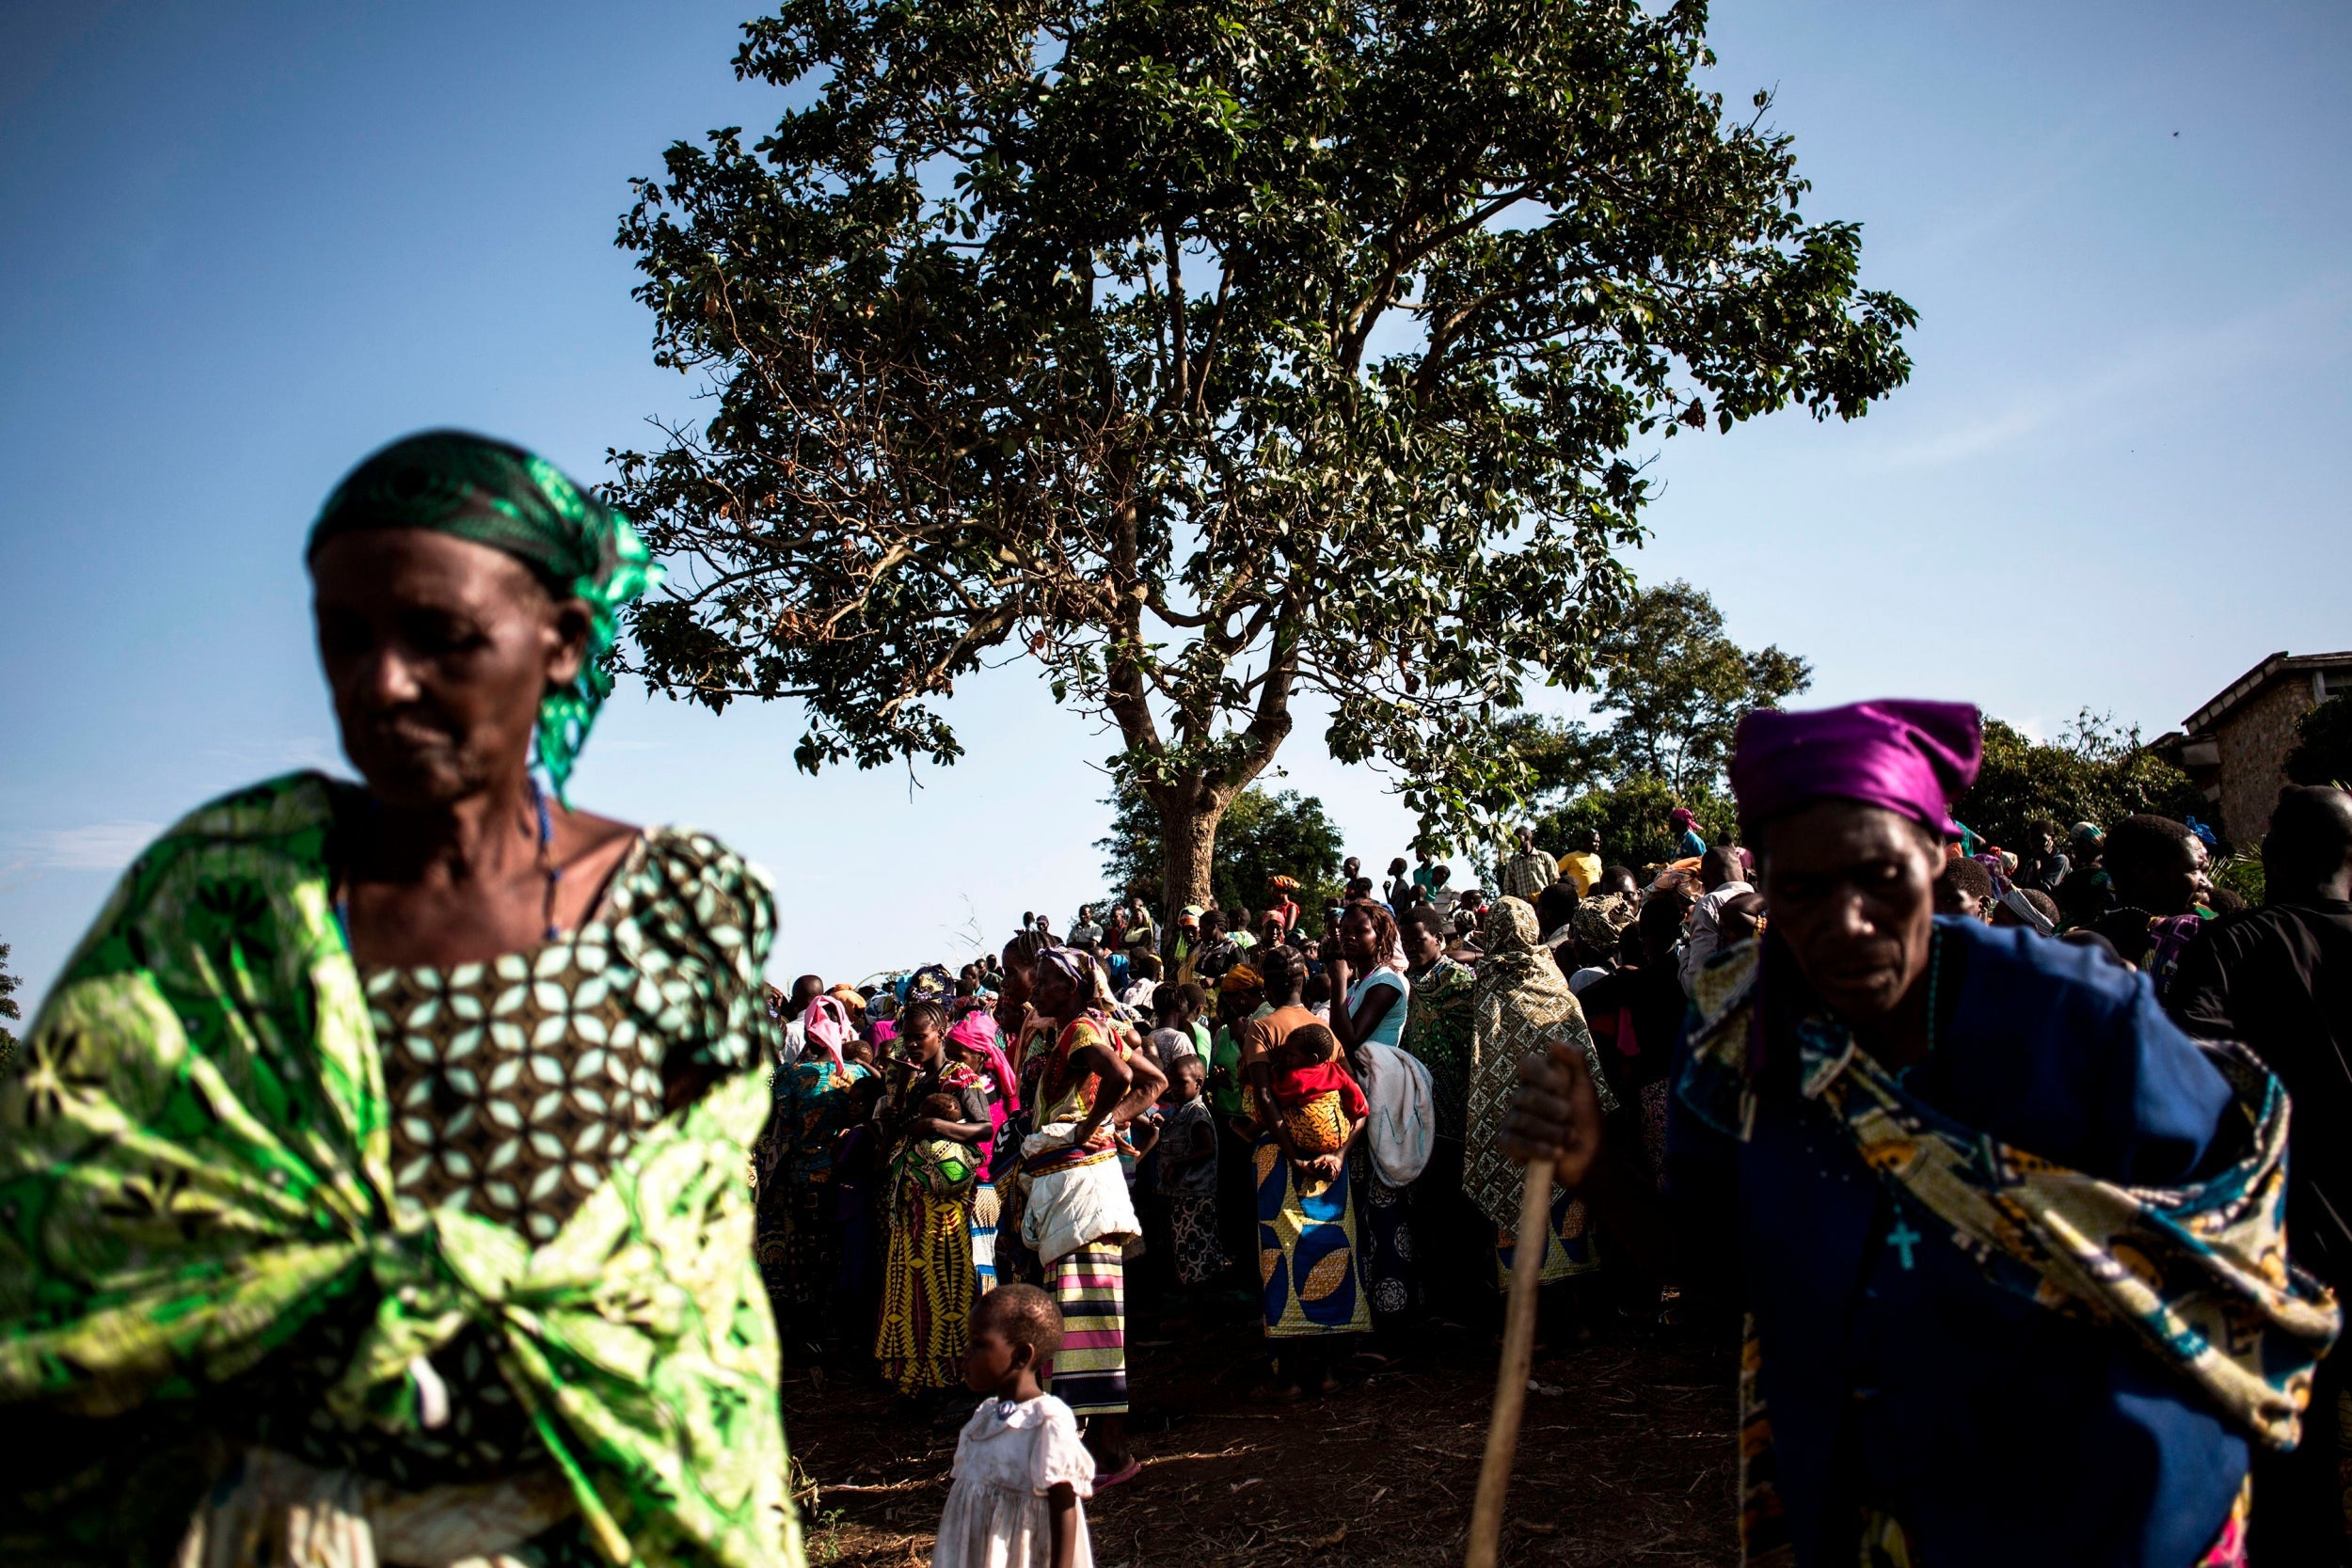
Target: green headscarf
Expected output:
[494,493]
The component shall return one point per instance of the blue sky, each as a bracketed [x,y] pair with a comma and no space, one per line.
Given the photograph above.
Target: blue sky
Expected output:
[247,242]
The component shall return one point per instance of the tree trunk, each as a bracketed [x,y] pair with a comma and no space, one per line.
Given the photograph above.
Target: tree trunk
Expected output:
[1190,810]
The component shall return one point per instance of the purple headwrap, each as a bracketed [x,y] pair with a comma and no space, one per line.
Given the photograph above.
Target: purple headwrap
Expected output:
[1907,755]
[975,1032]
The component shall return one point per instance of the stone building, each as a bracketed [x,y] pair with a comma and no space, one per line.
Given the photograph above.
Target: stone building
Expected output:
[2235,747]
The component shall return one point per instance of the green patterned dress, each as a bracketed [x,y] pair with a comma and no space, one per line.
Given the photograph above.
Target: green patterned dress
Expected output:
[420,1245]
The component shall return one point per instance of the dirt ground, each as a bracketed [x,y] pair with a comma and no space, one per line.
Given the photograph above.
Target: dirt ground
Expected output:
[1628,1456]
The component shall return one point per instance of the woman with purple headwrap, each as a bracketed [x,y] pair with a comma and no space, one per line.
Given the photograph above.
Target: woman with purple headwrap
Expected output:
[2011,1244]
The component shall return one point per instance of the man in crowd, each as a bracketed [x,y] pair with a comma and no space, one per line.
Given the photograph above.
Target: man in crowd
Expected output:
[2085,894]
[2280,979]
[1528,872]
[1084,932]
[1725,877]
[2044,866]
[1218,951]
[793,1039]
[1582,864]
[1898,1121]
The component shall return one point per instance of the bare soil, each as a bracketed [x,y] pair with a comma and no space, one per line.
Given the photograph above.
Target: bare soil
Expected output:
[1628,1456]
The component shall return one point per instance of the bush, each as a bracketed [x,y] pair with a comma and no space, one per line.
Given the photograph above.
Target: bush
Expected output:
[1632,819]
[2094,773]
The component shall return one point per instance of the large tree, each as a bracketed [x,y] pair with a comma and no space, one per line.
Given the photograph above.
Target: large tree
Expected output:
[1212,355]
[1675,687]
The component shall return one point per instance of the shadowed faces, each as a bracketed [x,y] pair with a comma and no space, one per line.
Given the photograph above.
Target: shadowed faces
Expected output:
[1850,891]
[437,651]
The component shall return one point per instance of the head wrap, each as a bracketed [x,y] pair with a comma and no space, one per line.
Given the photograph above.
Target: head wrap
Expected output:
[932,983]
[829,1028]
[1241,977]
[1908,756]
[1078,968]
[884,1006]
[977,1032]
[1521,1002]
[2086,833]
[471,487]
[1599,921]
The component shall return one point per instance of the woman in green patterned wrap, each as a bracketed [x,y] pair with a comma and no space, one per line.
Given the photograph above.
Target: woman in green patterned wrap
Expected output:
[373,1188]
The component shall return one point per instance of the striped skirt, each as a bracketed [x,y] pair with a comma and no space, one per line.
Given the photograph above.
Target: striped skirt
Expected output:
[1089,1372]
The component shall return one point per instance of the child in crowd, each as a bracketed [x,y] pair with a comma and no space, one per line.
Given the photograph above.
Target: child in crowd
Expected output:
[1181,1008]
[1021,1471]
[1188,1170]
[1319,1101]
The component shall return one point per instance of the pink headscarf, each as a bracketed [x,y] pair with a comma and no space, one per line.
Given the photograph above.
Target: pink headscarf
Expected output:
[1909,756]
[827,1023]
[975,1031]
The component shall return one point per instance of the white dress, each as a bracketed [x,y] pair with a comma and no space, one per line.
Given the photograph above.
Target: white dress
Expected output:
[1008,1456]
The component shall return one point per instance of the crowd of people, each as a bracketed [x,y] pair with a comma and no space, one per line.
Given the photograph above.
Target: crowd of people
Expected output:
[374,1178]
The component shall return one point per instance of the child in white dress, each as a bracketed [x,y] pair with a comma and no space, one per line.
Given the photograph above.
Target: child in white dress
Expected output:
[1020,1467]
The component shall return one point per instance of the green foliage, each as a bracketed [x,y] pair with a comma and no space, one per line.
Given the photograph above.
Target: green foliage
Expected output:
[1207,354]
[1630,817]
[2322,749]
[2093,772]
[2243,876]
[8,1008]
[1678,688]
[1264,834]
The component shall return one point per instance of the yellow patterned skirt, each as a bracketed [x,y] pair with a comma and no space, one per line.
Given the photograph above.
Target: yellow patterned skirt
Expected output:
[928,1290]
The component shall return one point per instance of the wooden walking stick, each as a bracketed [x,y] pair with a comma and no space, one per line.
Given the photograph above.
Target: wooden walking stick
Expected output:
[1529,1243]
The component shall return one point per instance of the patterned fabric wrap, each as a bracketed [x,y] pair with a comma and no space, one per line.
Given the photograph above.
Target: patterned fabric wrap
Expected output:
[928,1290]
[1309,1265]
[195,1161]
[1199,1255]
[2199,1273]
[1318,1126]
[1437,1035]
[1384,1225]
[1567,1244]
[1090,1372]
[491,493]
[1523,1002]
[1881,1542]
